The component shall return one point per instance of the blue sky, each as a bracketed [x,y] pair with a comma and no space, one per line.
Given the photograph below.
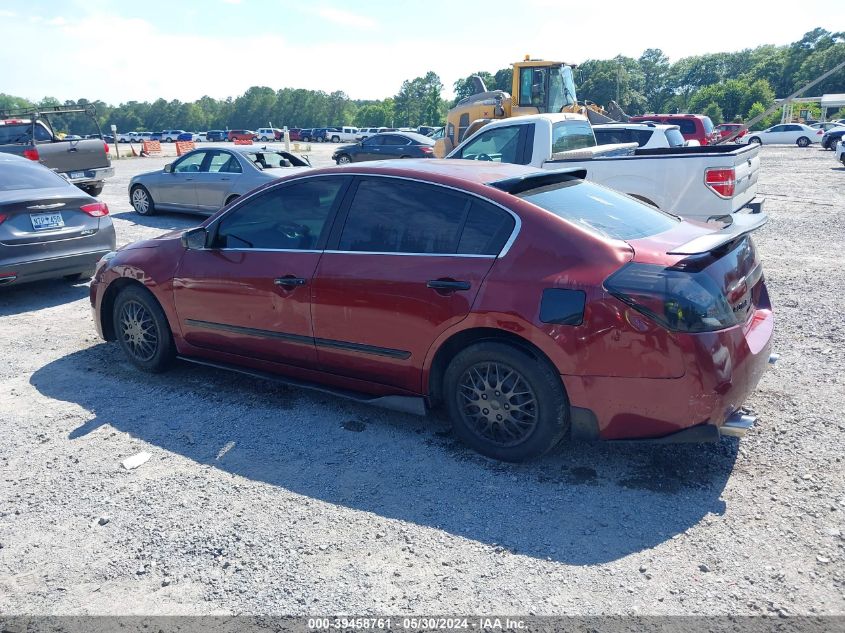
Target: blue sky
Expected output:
[184,49]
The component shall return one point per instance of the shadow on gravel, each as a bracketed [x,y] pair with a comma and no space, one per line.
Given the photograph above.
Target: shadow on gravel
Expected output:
[162,219]
[38,295]
[585,505]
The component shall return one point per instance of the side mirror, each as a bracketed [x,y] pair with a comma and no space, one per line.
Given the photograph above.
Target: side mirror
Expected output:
[168,168]
[195,239]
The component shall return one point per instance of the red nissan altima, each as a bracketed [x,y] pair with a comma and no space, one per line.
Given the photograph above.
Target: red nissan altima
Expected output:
[533,307]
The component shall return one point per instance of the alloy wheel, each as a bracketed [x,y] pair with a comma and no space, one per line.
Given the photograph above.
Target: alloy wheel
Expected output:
[497,403]
[138,330]
[140,201]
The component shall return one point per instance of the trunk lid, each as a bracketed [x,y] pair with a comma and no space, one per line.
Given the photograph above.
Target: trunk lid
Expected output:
[45,216]
[69,157]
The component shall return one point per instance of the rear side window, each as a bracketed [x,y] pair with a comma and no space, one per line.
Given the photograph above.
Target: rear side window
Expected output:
[568,135]
[687,125]
[397,216]
[600,210]
[708,125]
[675,138]
[14,177]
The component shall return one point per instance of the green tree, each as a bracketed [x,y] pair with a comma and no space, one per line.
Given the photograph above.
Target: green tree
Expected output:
[464,87]
[714,112]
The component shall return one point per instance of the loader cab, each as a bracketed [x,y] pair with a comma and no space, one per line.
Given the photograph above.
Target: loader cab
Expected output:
[540,87]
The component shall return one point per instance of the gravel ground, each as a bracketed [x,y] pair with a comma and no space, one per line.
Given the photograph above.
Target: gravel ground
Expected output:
[258,498]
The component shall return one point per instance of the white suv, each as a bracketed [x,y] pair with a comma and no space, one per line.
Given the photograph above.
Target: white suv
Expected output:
[265,134]
[646,135]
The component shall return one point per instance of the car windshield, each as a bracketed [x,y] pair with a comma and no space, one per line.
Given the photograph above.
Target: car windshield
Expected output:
[561,89]
[600,210]
[14,177]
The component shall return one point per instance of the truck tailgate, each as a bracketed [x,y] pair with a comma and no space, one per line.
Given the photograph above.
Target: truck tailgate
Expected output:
[71,156]
[747,169]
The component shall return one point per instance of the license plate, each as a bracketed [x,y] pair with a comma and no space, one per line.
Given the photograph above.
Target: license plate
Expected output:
[41,221]
[77,174]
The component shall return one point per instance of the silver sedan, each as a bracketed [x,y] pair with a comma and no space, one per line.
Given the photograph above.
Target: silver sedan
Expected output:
[204,180]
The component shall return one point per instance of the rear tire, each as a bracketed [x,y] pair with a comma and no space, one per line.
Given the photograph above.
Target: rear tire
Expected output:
[344,159]
[231,199]
[142,330]
[263,139]
[92,190]
[802,142]
[335,139]
[505,404]
[142,201]
[755,139]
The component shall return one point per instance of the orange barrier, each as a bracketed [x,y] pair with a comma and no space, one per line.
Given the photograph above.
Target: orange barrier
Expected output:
[243,141]
[183,147]
[152,147]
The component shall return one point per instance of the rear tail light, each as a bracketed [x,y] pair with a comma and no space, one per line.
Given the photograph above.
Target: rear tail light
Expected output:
[31,154]
[3,218]
[425,149]
[678,300]
[106,147]
[721,181]
[95,209]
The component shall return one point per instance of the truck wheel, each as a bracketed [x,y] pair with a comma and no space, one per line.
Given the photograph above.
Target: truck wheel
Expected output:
[92,190]
[263,139]
[142,201]
[803,141]
[335,139]
[505,404]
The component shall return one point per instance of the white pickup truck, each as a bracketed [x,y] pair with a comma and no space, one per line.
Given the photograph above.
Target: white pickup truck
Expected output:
[342,135]
[701,183]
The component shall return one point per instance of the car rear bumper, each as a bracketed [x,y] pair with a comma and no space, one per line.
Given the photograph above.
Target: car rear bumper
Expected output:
[57,259]
[84,176]
[722,370]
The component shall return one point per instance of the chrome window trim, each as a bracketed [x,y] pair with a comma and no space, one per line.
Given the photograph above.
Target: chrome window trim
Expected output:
[409,254]
[505,249]
[264,250]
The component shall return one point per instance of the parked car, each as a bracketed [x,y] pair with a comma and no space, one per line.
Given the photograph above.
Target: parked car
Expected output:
[387,145]
[694,127]
[295,133]
[825,125]
[240,135]
[786,133]
[306,135]
[342,135]
[831,137]
[646,135]
[322,134]
[83,162]
[140,137]
[171,136]
[188,136]
[156,136]
[217,135]
[204,180]
[726,129]
[48,227]
[532,307]
[265,134]
[839,151]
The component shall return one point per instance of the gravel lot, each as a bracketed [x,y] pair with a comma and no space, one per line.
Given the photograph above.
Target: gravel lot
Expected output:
[261,499]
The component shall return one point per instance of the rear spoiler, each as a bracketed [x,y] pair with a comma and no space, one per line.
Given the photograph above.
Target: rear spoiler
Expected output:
[741,225]
[538,179]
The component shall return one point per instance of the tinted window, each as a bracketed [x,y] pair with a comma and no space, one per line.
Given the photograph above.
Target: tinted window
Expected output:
[292,217]
[373,140]
[393,139]
[498,144]
[22,133]
[15,176]
[532,87]
[397,216]
[486,230]
[568,135]
[687,125]
[601,210]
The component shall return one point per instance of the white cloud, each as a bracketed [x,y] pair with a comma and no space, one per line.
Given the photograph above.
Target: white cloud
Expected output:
[57,21]
[232,1]
[7,14]
[346,18]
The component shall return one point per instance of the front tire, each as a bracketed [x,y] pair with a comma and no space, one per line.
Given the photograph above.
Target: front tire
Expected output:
[802,142]
[335,139]
[344,159]
[755,139]
[505,404]
[142,201]
[263,139]
[142,330]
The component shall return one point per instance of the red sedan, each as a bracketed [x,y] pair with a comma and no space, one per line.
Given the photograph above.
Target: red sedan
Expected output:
[533,307]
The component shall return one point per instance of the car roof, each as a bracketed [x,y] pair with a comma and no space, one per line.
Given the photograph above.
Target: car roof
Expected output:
[11,158]
[251,149]
[644,125]
[420,138]
[445,171]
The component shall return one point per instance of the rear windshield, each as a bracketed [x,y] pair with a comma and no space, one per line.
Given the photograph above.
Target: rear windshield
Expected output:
[22,133]
[675,138]
[15,176]
[600,210]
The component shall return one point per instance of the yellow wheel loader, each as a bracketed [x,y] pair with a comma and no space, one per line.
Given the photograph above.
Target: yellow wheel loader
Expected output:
[538,86]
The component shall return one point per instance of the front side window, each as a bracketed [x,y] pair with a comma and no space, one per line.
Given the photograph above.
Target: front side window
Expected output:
[498,145]
[192,163]
[561,89]
[567,135]
[532,87]
[293,217]
[398,216]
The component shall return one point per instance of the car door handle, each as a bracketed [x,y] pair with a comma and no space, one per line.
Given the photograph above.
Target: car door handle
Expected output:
[73,149]
[289,281]
[225,179]
[448,284]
